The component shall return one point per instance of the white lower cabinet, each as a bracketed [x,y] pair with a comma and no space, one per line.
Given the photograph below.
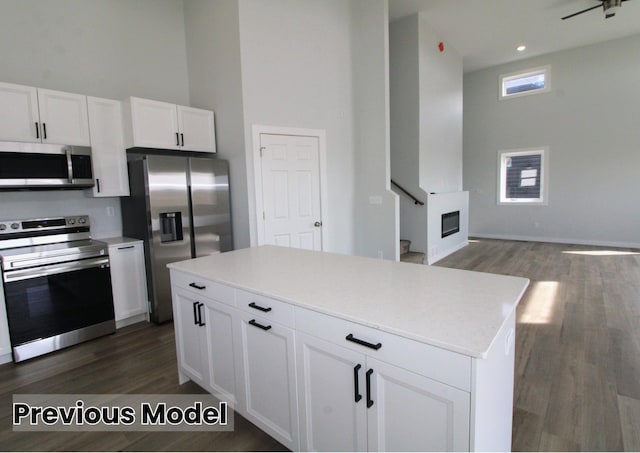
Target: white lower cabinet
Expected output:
[316,382]
[410,412]
[205,343]
[352,402]
[128,280]
[333,411]
[191,339]
[269,377]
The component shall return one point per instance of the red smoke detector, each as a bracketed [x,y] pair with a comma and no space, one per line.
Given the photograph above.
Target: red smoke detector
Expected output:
[441,46]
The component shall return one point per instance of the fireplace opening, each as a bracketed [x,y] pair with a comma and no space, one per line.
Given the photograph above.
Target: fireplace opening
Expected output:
[450,223]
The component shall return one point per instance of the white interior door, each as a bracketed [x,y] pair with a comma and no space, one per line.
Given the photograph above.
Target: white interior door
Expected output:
[290,167]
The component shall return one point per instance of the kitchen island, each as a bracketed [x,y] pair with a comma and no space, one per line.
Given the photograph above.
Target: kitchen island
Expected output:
[333,352]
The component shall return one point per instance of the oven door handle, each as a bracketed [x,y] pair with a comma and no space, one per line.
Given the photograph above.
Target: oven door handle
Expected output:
[51,269]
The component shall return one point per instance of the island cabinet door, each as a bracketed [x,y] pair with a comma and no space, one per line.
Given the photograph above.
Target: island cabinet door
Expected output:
[190,322]
[220,320]
[331,386]
[410,412]
[268,378]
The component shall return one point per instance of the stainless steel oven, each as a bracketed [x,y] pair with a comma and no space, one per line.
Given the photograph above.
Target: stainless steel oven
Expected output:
[57,284]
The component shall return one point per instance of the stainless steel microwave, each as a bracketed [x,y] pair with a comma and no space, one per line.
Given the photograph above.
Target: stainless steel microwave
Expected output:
[44,166]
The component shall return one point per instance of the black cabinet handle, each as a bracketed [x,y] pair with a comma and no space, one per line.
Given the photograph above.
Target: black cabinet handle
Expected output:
[200,321]
[98,184]
[196,286]
[350,337]
[254,323]
[177,139]
[182,138]
[369,400]
[44,131]
[37,131]
[196,311]
[126,247]
[355,382]
[258,307]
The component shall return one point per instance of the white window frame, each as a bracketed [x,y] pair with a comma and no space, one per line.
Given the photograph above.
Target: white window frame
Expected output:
[504,78]
[543,200]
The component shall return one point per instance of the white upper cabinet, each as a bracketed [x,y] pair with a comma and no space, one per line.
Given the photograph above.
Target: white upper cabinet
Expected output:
[19,119]
[63,118]
[197,129]
[29,114]
[107,148]
[156,124]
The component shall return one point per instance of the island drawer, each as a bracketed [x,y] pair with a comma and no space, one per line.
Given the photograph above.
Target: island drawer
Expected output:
[207,288]
[265,307]
[436,363]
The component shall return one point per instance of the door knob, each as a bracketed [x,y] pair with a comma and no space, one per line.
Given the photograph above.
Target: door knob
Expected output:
[317,224]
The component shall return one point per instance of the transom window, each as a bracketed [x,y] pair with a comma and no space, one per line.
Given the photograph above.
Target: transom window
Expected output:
[522,177]
[529,81]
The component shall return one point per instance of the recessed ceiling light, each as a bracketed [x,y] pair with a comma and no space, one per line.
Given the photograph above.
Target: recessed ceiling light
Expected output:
[521,48]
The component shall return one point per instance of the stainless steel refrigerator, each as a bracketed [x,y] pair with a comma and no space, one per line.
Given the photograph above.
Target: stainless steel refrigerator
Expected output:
[179,206]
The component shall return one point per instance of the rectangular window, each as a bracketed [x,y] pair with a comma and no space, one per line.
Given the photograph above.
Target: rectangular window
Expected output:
[525,82]
[522,178]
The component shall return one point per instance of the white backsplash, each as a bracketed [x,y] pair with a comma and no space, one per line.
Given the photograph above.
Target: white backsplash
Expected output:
[104,213]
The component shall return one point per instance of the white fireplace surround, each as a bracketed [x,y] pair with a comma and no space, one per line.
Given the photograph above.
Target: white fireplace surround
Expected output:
[437,205]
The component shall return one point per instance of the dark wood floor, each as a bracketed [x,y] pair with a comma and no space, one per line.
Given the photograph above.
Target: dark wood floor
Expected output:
[137,359]
[577,383]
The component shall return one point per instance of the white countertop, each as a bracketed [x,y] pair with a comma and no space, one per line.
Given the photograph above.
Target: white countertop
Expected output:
[461,311]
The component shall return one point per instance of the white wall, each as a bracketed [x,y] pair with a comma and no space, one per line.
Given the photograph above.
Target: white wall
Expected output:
[404,88]
[296,72]
[377,224]
[110,49]
[440,112]
[215,83]
[426,132]
[589,121]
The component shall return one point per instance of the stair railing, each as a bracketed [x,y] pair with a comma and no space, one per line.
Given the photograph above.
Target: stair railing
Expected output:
[407,193]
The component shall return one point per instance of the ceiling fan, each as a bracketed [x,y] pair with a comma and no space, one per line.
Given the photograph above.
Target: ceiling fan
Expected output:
[610,8]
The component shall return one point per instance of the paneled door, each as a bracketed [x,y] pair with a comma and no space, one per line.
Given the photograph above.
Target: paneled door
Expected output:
[291,191]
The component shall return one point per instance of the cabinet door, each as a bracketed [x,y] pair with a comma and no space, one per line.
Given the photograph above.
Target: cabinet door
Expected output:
[189,321]
[331,386]
[154,124]
[269,378]
[222,351]
[410,412]
[197,129]
[128,279]
[107,148]
[63,117]
[19,120]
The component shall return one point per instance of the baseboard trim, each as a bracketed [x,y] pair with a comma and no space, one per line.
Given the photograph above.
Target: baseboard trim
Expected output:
[6,358]
[509,237]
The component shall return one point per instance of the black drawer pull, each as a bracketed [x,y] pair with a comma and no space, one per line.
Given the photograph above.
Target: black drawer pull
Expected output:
[355,382]
[350,337]
[126,247]
[254,323]
[196,286]
[369,400]
[258,307]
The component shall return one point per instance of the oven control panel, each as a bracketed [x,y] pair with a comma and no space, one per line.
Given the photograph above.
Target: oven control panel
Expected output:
[38,225]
